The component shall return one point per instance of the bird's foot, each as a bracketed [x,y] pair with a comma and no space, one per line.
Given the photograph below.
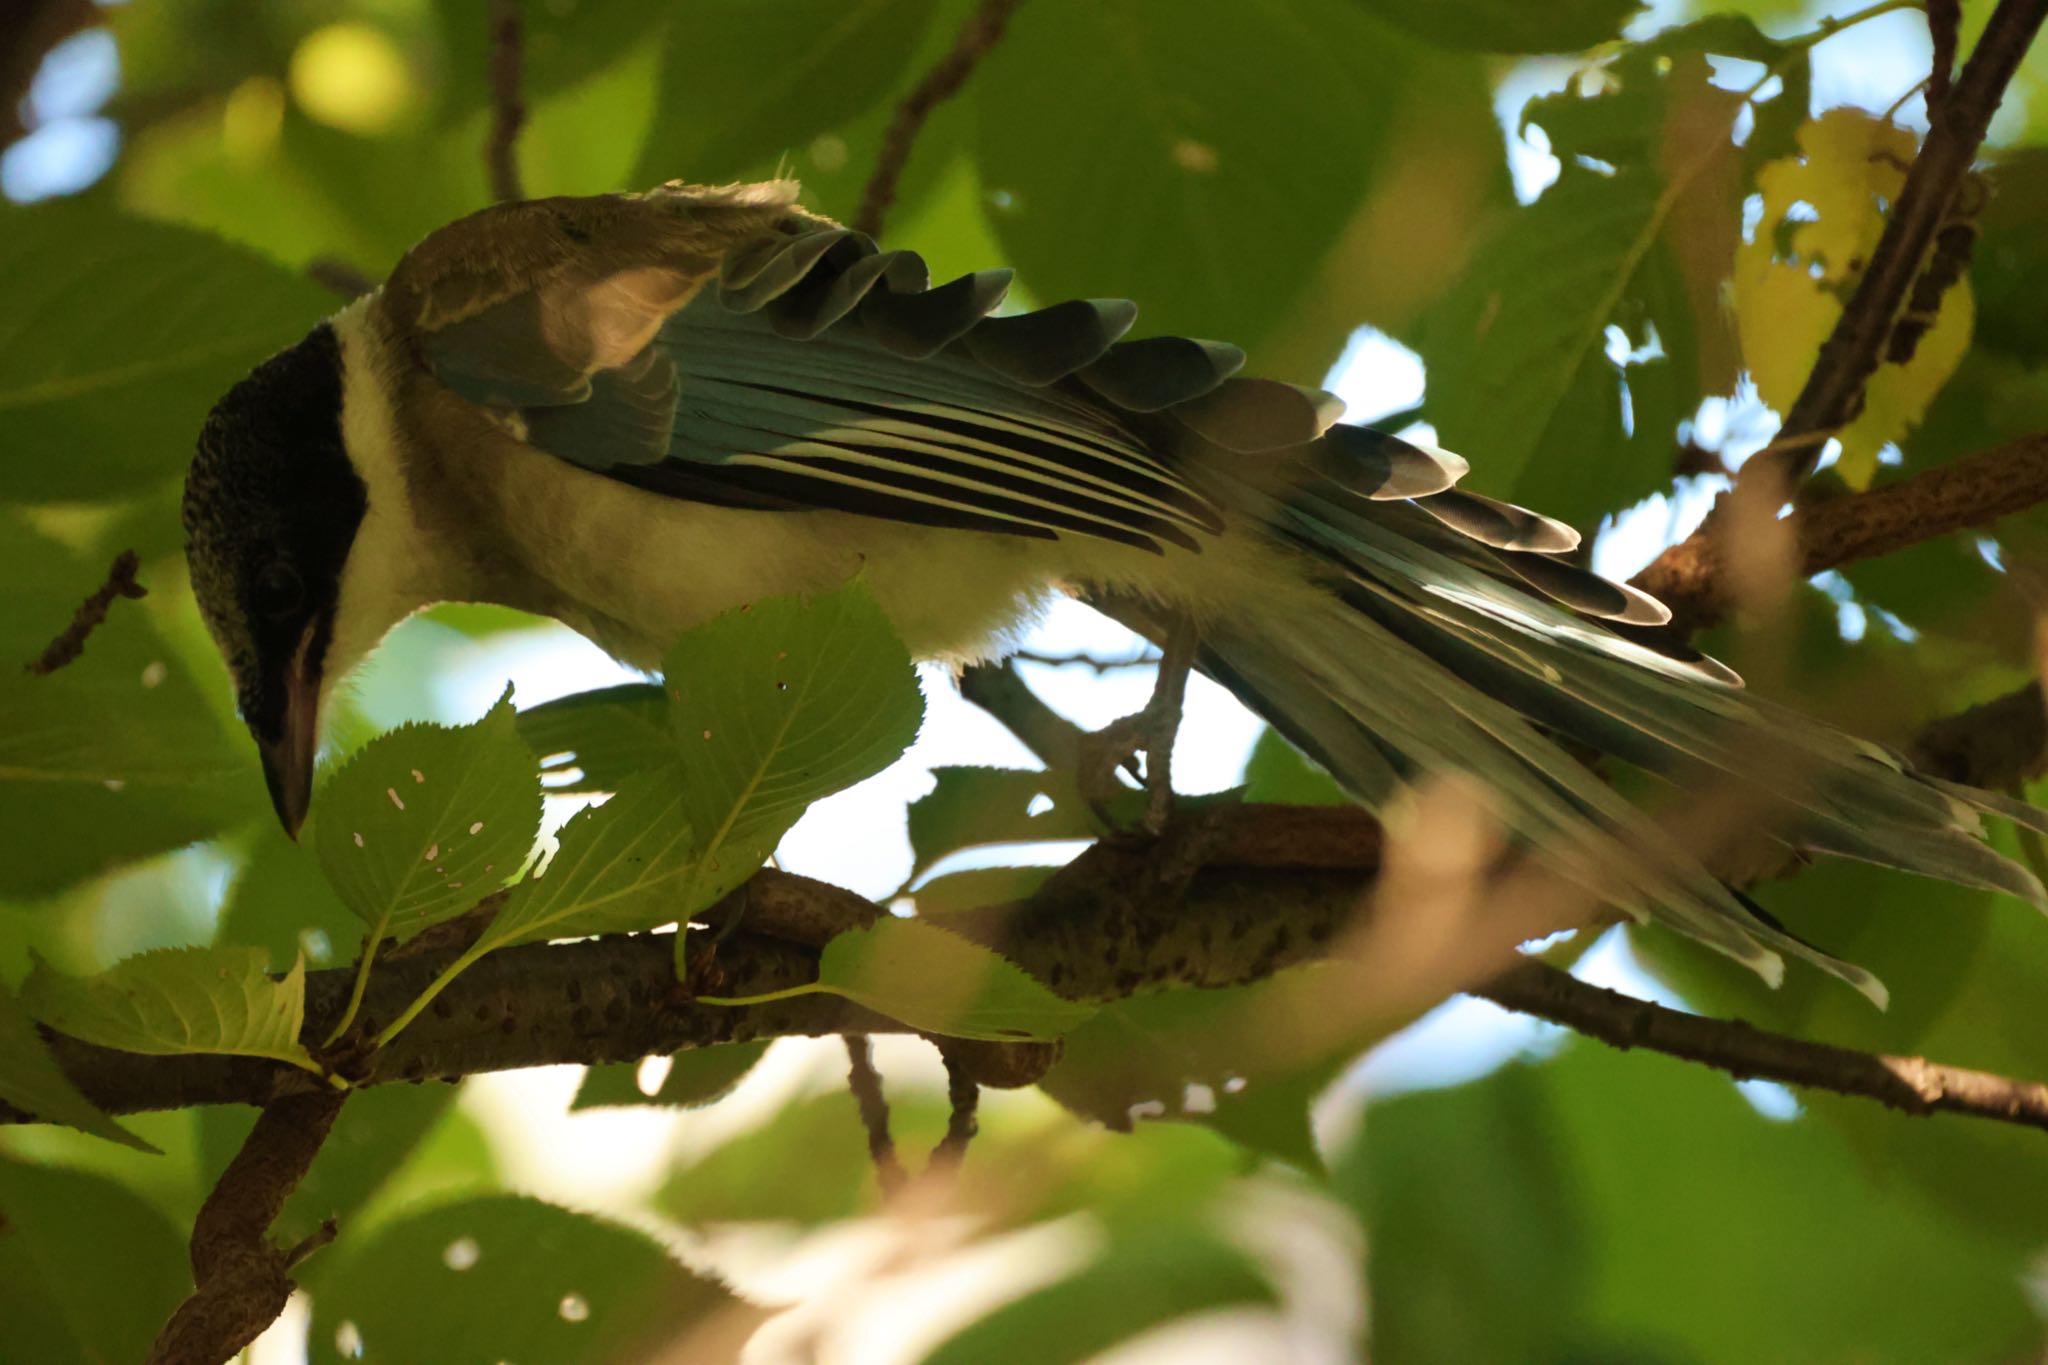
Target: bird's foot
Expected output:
[1151,730]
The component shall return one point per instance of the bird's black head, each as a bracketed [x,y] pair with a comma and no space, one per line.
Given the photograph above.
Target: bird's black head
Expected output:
[272,504]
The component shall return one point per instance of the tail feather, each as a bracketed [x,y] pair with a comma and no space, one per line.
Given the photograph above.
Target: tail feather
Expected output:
[1422,661]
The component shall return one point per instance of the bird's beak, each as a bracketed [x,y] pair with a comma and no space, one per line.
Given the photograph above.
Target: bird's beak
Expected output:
[288,756]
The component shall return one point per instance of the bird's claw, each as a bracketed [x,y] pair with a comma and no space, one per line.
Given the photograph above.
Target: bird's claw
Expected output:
[1150,730]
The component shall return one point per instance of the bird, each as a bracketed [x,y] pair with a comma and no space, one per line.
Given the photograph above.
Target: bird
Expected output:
[634,412]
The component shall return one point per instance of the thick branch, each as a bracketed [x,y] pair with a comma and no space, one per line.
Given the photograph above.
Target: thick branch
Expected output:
[1694,579]
[1912,1084]
[242,1280]
[1999,745]
[982,31]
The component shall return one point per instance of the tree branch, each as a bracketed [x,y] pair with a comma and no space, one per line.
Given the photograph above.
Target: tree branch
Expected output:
[1912,1084]
[242,1279]
[977,37]
[1694,577]
[91,614]
[508,106]
[866,1084]
[1834,389]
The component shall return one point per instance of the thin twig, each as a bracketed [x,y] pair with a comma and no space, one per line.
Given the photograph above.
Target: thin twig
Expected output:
[508,107]
[1944,17]
[338,277]
[1912,1084]
[241,1279]
[963,1099]
[866,1084]
[982,31]
[70,642]
[1086,660]
[1694,577]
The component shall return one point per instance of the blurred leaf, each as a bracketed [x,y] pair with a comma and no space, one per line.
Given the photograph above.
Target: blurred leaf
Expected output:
[121,333]
[934,980]
[507,1277]
[1511,25]
[808,1164]
[379,1129]
[1277,771]
[1247,1061]
[696,1077]
[2009,266]
[31,1080]
[976,887]
[1209,189]
[744,80]
[1822,216]
[281,902]
[117,756]
[619,869]
[1149,1275]
[427,820]
[1547,1211]
[178,1000]
[58,1230]
[774,706]
[975,807]
[602,736]
[561,43]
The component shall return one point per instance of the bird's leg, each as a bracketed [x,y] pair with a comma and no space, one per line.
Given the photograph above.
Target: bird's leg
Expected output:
[1151,729]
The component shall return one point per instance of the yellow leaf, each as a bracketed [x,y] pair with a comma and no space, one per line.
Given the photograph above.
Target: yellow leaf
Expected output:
[1823,214]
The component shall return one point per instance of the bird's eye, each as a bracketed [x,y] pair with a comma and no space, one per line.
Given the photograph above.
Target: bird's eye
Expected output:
[279,592]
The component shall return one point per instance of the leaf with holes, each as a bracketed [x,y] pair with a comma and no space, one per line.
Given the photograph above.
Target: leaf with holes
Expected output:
[593,741]
[620,868]
[695,1078]
[774,706]
[976,807]
[179,1000]
[427,820]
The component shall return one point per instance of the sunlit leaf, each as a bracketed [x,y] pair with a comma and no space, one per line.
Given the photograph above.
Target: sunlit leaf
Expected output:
[178,1000]
[774,706]
[1822,216]
[935,980]
[1277,771]
[427,820]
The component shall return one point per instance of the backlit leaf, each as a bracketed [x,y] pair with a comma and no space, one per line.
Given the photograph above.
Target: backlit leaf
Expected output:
[178,1000]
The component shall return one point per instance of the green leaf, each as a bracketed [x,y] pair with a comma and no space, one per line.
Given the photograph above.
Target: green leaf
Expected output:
[935,980]
[1510,25]
[976,887]
[1210,185]
[510,1278]
[32,1082]
[1232,1060]
[1519,371]
[774,706]
[695,1078]
[425,821]
[1508,1221]
[620,868]
[89,1271]
[746,80]
[120,334]
[1150,1275]
[592,741]
[1277,771]
[179,1000]
[976,807]
[116,757]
